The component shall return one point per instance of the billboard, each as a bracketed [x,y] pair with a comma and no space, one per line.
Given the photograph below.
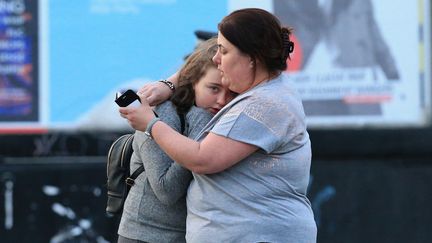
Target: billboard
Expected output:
[356,63]
[19,79]
[361,63]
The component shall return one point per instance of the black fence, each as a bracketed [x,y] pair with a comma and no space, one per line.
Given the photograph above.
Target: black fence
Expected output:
[366,186]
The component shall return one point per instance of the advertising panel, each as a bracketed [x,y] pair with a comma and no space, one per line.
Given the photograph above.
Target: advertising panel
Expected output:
[360,63]
[19,81]
[356,63]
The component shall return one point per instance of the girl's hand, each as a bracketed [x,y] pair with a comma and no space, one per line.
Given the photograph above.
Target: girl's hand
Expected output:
[155,93]
[138,117]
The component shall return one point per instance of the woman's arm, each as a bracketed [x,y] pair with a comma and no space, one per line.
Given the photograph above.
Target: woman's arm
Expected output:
[213,154]
[158,92]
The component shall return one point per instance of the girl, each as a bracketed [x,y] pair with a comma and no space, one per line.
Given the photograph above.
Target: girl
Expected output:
[155,209]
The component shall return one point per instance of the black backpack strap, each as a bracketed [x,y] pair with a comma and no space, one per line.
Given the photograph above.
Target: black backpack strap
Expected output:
[183,122]
[130,181]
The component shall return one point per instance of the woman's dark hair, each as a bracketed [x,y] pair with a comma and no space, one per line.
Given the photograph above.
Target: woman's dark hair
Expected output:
[194,68]
[259,34]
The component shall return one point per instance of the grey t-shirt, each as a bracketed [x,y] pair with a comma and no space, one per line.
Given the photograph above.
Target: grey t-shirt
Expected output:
[263,197]
[155,209]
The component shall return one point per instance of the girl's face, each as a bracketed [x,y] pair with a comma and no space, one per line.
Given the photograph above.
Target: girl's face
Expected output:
[236,67]
[209,92]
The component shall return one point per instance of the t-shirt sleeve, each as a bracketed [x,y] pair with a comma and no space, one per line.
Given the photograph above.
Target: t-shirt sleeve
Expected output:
[259,122]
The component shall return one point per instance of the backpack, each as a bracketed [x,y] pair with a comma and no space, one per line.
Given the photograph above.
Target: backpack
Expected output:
[119,179]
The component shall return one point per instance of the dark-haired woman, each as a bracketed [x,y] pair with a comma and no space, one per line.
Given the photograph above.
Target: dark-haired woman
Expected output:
[251,163]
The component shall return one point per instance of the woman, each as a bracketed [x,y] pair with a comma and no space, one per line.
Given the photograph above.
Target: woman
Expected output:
[251,163]
[155,209]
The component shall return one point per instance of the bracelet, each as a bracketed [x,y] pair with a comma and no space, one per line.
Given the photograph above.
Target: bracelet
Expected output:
[150,126]
[169,84]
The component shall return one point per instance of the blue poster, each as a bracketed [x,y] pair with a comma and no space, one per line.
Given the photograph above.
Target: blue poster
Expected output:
[98,46]
[19,89]
[70,57]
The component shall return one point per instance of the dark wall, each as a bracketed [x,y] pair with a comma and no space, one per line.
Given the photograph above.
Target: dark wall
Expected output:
[366,200]
[369,143]
[56,144]
[366,186]
[58,199]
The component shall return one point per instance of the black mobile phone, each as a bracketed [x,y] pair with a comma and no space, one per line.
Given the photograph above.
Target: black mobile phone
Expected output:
[127,98]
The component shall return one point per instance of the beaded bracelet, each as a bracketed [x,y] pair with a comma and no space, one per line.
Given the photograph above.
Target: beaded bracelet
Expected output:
[169,84]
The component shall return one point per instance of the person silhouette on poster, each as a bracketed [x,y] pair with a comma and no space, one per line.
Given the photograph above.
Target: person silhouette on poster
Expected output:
[347,27]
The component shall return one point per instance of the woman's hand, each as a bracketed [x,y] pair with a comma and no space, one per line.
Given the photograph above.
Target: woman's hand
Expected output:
[155,92]
[158,92]
[138,117]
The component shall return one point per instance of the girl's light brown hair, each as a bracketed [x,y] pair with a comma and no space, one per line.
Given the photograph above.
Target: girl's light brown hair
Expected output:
[194,68]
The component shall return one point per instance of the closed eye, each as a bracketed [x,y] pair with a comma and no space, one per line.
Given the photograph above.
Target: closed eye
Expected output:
[214,89]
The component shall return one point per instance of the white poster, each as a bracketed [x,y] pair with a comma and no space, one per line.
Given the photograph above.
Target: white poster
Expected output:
[360,63]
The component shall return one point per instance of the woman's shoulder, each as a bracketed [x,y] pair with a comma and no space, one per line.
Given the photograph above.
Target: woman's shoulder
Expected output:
[270,100]
[278,92]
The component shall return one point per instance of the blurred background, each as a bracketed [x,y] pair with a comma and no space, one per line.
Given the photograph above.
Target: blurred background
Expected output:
[362,67]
